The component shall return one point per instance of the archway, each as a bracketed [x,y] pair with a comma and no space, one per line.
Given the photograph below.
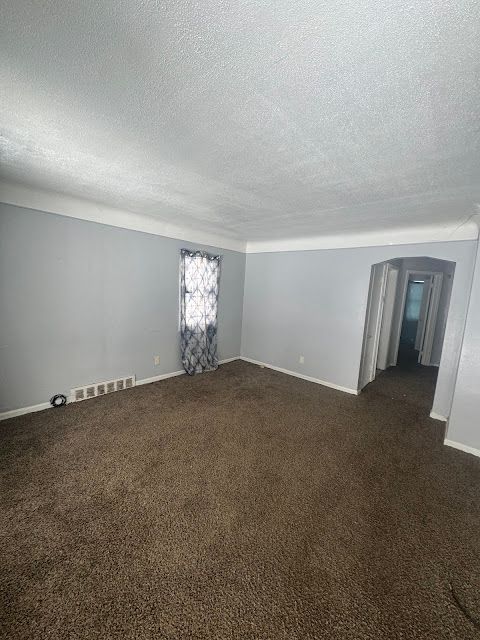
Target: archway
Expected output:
[407,309]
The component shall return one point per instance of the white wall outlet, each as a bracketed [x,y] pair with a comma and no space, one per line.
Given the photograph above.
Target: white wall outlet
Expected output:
[156,360]
[301,360]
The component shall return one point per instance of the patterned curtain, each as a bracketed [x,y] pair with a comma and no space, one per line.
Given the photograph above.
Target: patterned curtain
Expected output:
[199,283]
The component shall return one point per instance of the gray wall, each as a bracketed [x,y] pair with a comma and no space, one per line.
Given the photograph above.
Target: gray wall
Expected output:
[83,302]
[313,303]
[464,423]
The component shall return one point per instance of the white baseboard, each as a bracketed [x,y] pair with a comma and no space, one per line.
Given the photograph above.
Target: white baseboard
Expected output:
[355,392]
[229,360]
[162,376]
[438,416]
[46,405]
[462,447]
[23,410]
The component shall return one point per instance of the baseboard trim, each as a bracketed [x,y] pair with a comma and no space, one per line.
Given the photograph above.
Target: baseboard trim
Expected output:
[438,416]
[462,447]
[162,376]
[46,405]
[23,410]
[324,383]
[229,360]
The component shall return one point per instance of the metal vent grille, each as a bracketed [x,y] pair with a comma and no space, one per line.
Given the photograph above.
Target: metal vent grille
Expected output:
[101,388]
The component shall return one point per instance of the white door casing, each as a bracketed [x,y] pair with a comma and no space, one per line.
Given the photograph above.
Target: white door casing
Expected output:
[373,323]
[383,361]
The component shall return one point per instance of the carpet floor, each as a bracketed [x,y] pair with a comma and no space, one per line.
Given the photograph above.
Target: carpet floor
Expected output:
[242,503]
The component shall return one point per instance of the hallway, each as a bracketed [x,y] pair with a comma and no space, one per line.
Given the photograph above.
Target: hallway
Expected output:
[408,382]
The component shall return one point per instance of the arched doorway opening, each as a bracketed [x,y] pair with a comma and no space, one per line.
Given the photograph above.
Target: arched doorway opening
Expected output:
[407,310]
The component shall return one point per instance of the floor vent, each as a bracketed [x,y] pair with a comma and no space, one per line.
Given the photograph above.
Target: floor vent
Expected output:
[101,388]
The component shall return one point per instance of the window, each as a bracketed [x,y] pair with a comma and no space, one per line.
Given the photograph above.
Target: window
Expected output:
[199,287]
[414,300]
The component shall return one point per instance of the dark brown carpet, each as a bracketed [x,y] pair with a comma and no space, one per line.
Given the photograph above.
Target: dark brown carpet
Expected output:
[240,504]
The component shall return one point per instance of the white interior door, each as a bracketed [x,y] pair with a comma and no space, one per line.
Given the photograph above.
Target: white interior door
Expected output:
[433,299]
[387,317]
[372,324]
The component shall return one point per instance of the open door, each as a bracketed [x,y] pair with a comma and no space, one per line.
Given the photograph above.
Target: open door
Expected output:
[432,295]
[383,361]
[427,319]
[422,318]
[381,298]
[372,324]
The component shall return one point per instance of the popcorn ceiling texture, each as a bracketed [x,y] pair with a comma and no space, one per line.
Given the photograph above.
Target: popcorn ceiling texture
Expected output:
[257,119]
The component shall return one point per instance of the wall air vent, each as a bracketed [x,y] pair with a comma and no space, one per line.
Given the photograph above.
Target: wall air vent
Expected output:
[101,388]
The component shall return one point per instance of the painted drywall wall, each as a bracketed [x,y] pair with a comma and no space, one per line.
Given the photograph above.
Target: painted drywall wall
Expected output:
[313,303]
[83,302]
[464,424]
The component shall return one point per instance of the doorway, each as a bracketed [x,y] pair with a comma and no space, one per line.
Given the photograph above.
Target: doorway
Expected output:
[378,323]
[419,317]
[408,351]
[406,315]
[419,310]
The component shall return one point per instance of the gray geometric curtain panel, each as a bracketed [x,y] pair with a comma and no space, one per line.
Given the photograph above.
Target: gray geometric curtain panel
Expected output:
[199,286]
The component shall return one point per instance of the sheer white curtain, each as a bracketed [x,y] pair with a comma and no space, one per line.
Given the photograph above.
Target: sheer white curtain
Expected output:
[199,287]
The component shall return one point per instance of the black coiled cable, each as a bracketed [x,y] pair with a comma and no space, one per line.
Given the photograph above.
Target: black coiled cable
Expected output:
[58,400]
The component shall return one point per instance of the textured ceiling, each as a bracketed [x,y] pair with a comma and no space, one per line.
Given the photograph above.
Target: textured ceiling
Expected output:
[255,119]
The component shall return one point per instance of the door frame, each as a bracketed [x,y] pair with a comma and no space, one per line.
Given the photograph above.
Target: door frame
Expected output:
[408,273]
[388,316]
[431,314]
[378,325]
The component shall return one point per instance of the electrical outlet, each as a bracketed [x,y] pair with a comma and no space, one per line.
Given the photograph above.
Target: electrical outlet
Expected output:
[156,360]
[301,360]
